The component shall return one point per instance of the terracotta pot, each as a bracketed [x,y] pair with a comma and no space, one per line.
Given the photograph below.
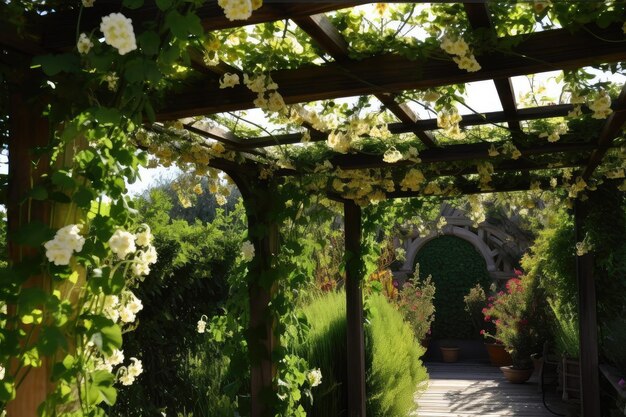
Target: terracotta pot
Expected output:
[516,376]
[498,356]
[450,354]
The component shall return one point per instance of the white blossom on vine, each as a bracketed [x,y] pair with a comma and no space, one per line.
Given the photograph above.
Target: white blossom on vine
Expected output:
[247,251]
[314,377]
[122,243]
[84,44]
[118,32]
[67,240]
[229,80]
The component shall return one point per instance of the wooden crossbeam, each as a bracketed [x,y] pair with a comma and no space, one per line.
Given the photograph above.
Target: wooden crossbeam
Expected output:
[58,29]
[322,31]
[543,51]
[457,153]
[612,128]
[532,113]
[478,15]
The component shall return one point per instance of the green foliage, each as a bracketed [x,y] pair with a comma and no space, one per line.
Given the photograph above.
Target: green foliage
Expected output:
[393,367]
[415,302]
[566,331]
[455,267]
[475,301]
[191,278]
[613,342]
[517,318]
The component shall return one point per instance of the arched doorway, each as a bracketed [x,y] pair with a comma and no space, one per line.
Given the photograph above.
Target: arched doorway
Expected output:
[455,266]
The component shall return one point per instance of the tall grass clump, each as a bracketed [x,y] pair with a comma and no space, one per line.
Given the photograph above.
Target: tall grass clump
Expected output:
[393,368]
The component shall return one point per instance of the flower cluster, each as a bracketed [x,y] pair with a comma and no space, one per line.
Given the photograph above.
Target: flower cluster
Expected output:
[229,80]
[392,155]
[413,180]
[247,251]
[268,98]
[239,9]
[415,302]
[601,106]
[314,377]
[118,32]
[511,311]
[127,374]
[485,169]
[556,133]
[124,308]
[84,44]
[464,58]
[449,120]
[67,240]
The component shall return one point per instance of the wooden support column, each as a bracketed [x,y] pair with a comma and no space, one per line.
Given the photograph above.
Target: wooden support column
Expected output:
[354,311]
[263,232]
[28,130]
[587,319]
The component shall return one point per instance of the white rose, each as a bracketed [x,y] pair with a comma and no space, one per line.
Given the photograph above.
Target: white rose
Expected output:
[118,32]
[122,243]
[314,377]
[247,250]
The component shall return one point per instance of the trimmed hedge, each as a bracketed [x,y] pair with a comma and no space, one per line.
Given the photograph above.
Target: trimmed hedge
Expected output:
[456,267]
[393,366]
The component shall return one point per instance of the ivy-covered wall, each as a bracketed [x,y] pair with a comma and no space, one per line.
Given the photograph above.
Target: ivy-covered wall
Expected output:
[455,267]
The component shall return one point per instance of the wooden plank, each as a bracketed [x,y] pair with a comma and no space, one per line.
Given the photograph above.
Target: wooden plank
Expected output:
[587,320]
[354,311]
[543,51]
[473,389]
[28,130]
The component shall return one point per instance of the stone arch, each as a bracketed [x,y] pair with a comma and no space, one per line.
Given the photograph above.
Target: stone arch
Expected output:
[489,241]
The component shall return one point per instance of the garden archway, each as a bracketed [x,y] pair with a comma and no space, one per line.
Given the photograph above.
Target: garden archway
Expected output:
[491,242]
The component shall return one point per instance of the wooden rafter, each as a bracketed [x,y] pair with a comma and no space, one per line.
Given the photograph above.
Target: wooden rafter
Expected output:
[322,31]
[478,15]
[543,51]
[531,113]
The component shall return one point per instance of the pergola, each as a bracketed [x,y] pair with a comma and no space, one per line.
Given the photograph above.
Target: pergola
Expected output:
[385,77]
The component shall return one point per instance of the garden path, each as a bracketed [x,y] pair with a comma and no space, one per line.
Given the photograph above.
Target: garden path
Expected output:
[474,389]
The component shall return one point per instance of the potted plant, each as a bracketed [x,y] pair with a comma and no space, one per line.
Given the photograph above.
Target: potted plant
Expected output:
[509,312]
[415,302]
[476,305]
[449,351]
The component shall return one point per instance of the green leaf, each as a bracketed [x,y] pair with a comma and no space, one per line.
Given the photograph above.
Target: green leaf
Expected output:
[149,42]
[38,192]
[63,179]
[149,111]
[55,64]
[101,388]
[7,391]
[51,339]
[177,23]
[83,197]
[107,115]
[164,4]
[106,335]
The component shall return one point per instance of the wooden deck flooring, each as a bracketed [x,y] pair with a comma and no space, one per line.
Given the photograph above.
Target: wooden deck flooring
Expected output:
[471,389]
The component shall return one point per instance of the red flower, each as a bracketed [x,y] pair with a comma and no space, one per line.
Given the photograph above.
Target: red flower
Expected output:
[487,318]
[482,332]
[518,272]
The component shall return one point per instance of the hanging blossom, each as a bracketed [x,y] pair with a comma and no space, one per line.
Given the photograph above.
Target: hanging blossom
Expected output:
[229,80]
[448,120]
[202,324]
[122,243]
[392,155]
[247,251]
[239,9]
[601,106]
[67,240]
[413,180]
[130,308]
[339,141]
[84,44]
[464,58]
[118,32]
[128,374]
[314,377]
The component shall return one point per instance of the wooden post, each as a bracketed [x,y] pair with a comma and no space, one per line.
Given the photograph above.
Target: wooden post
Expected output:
[28,130]
[354,311]
[262,340]
[587,319]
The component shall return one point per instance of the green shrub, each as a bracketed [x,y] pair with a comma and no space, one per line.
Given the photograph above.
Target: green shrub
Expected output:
[393,368]
[566,334]
[455,266]
[415,302]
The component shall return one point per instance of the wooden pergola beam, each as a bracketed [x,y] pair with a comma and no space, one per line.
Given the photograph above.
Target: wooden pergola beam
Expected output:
[322,31]
[532,113]
[456,153]
[479,17]
[538,52]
